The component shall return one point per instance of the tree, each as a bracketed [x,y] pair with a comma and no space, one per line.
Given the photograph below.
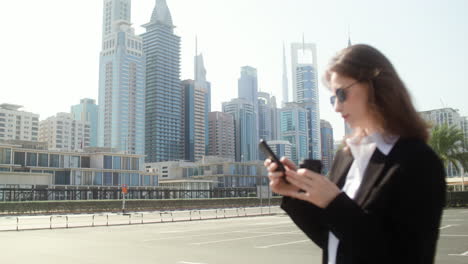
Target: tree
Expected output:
[448,143]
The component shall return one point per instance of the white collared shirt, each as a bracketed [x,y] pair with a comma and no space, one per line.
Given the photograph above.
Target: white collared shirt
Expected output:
[362,151]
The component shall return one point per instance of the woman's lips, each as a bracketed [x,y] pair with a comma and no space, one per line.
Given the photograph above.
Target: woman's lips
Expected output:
[345,117]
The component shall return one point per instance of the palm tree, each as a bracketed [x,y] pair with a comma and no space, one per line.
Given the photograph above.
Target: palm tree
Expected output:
[449,143]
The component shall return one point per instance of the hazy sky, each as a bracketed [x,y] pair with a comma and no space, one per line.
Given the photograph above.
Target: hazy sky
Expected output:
[49,50]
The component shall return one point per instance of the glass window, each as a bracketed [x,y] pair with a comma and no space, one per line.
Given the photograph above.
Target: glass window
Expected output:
[115,179]
[77,177]
[19,158]
[5,156]
[43,160]
[107,162]
[85,162]
[135,162]
[124,163]
[135,179]
[87,177]
[31,159]
[116,163]
[107,178]
[54,161]
[62,177]
[97,178]
[74,161]
[146,180]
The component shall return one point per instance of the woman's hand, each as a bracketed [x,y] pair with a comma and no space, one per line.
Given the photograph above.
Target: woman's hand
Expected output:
[277,178]
[315,188]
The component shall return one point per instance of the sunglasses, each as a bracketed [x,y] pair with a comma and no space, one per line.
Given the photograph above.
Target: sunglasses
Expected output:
[340,93]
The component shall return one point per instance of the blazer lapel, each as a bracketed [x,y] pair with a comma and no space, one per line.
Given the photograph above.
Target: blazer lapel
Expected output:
[338,176]
[371,175]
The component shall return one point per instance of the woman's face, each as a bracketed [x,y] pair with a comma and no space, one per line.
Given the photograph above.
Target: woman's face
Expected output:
[355,108]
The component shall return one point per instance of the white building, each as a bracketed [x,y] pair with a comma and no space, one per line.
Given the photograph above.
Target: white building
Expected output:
[18,125]
[62,132]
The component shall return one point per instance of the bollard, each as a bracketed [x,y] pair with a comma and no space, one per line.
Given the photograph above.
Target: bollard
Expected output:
[51,222]
[66,219]
[107,222]
[93,222]
[129,219]
[17,223]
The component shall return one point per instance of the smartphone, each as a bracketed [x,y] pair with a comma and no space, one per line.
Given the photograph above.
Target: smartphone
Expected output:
[270,154]
[311,164]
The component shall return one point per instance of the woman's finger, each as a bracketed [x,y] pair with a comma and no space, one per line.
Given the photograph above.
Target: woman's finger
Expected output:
[267,163]
[288,163]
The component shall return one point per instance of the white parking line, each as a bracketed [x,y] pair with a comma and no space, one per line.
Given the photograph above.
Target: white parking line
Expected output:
[188,262]
[461,255]
[239,238]
[283,244]
[454,235]
[447,226]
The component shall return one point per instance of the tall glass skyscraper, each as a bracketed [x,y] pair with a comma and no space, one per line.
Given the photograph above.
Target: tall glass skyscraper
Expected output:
[194,121]
[244,121]
[164,96]
[87,111]
[326,132]
[293,128]
[202,83]
[248,90]
[305,91]
[121,82]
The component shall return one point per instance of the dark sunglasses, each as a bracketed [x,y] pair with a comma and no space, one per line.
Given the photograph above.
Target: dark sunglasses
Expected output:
[340,93]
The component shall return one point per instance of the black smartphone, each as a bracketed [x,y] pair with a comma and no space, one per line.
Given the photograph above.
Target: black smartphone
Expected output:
[311,164]
[270,154]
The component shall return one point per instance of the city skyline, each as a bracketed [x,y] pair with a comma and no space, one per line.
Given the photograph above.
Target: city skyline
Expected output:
[225,48]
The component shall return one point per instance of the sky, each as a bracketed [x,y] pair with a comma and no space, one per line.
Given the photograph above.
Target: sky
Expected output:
[49,49]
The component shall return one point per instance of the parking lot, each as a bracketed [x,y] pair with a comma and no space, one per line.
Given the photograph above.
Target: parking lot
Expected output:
[260,239]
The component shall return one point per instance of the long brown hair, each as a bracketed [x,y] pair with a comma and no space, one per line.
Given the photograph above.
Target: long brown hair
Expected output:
[389,101]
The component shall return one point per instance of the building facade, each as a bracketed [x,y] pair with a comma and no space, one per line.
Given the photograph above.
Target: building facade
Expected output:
[294,129]
[281,148]
[327,144]
[121,82]
[18,125]
[87,111]
[222,135]
[202,83]
[164,94]
[62,132]
[194,121]
[36,167]
[245,122]
[305,91]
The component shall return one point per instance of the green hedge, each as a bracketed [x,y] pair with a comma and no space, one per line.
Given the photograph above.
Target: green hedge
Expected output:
[89,206]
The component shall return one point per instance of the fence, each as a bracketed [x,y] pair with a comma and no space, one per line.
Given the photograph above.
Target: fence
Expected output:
[12,223]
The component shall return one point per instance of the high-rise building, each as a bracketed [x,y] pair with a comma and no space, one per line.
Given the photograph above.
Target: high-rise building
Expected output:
[274,119]
[222,135]
[264,116]
[202,83]
[62,132]
[293,128]
[305,91]
[285,80]
[164,95]
[445,116]
[121,82]
[87,110]
[244,123]
[194,121]
[18,125]
[248,90]
[326,135]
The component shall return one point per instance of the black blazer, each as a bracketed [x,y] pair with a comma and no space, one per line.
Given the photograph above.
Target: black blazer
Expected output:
[395,215]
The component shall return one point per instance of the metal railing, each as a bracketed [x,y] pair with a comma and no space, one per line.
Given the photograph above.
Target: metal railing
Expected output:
[17,223]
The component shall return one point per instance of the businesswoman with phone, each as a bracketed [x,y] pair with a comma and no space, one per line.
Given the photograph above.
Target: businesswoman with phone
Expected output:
[383,198]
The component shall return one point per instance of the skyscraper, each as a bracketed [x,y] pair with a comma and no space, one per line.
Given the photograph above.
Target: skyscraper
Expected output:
[194,121]
[285,80]
[164,95]
[87,111]
[264,116]
[293,128]
[248,90]
[244,123]
[222,136]
[121,82]
[274,118]
[305,91]
[202,83]
[326,135]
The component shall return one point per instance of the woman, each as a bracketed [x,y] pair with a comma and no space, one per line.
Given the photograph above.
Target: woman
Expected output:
[383,199]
